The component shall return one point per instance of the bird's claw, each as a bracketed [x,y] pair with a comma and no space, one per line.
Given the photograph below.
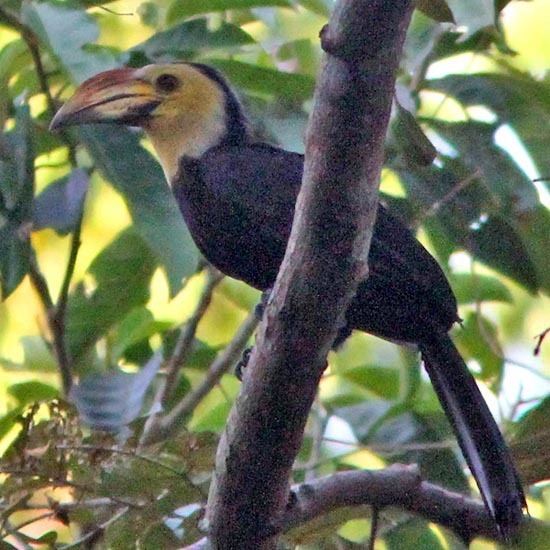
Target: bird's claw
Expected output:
[243,362]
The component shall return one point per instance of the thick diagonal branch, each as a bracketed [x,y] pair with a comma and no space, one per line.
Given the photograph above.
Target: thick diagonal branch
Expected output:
[325,259]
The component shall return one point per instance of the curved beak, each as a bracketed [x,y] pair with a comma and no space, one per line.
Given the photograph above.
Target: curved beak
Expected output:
[118,96]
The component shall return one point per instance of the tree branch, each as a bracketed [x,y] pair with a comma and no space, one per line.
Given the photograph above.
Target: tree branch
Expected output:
[162,427]
[187,334]
[324,262]
[398,485]
[58,332]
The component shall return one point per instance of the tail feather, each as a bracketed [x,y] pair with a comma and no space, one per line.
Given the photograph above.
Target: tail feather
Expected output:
[477,432]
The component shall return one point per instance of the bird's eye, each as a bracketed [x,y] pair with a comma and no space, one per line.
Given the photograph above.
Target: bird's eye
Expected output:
[167,82]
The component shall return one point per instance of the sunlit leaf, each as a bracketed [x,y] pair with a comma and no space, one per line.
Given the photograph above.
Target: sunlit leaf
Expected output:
[266,81]
[122,274]
[514,193]
[473,288]
[382,381]
[155,214]
[413,534]
[531,444]
[515,98]
[478,339]
[29,392]
[137,326]
[191,36]
[187,8]
[473,14]
[320,7]
[65,30]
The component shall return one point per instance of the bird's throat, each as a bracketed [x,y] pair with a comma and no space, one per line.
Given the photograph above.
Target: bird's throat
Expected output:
[186,136]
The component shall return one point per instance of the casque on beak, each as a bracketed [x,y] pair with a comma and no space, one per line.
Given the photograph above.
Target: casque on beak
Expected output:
[118,96]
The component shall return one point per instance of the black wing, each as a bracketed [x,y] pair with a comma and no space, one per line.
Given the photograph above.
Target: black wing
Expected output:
[238,202]
[251,192]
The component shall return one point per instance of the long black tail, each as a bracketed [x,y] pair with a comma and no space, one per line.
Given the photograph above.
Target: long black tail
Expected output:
[478,434]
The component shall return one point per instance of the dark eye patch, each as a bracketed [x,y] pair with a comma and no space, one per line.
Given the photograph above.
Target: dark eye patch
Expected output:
[167,82]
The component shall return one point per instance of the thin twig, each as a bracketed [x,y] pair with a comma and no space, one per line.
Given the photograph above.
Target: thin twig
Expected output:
[32,41]
[162,427]
[449,196]
[318,425]
[58,340]
[93,533]
[373,527]
[55,314]
[123,452]
[61,307]
[10,529]
[187,335]
[540,339]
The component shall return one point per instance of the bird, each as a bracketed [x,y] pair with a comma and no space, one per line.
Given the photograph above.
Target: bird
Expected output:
[237,196]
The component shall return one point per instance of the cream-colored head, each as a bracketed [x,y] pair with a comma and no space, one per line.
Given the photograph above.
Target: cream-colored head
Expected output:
[182,107]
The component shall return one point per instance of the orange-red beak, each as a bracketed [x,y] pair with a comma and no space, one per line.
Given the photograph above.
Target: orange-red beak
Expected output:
[118,96]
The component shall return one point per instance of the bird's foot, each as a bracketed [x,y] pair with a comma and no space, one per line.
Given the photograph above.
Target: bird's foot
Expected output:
[243,362]
[260,307]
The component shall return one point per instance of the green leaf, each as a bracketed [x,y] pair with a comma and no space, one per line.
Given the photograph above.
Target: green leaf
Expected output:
[498,244]
[137,326]
[187,8]
[15,251]
[516,98]
[513,192]
[266,81]
[66,31]
[13,56]
[415,533]
[8,421]
[473,217]
[160,536]
[382,381]
[478,340]
[30,392]
[438,10]
[422,36]
[534,228]
[37,356]
[122,273]
[149,14]
[16,191]
[320,7]
[531,444]
[60,205]
[191,36]
[416,147]
[474,14]
[155,214]
[473,288]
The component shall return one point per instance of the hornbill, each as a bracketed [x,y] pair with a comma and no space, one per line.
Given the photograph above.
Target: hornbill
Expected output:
[237,196]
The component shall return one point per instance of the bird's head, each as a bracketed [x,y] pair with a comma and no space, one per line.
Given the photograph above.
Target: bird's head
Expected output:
[185,108]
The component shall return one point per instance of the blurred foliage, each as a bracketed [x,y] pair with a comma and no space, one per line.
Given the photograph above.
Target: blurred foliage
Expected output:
[93,246]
